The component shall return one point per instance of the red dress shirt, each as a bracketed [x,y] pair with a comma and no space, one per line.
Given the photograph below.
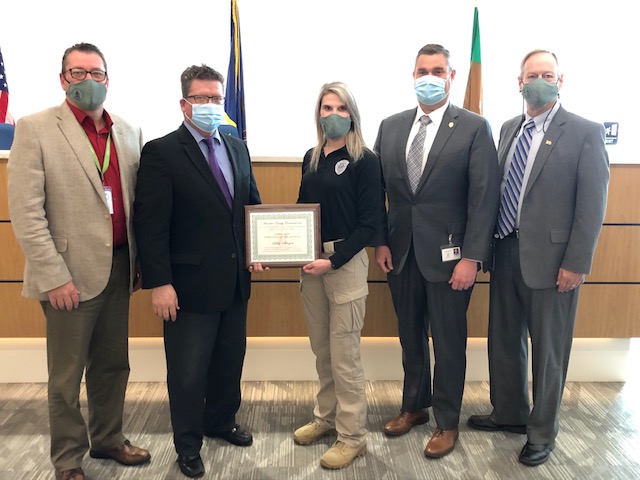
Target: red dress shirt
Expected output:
[111,177]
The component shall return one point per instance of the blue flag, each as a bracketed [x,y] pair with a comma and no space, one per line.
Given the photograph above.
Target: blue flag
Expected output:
[234,101]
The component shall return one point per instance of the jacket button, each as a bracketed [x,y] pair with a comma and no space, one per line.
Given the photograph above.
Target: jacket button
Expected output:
[108,245]
[233,255]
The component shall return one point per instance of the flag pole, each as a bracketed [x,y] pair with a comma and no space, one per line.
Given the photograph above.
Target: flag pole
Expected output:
[234,93]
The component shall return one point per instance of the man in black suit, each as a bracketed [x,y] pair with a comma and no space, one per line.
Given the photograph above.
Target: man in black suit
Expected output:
[440,171]
[192,187]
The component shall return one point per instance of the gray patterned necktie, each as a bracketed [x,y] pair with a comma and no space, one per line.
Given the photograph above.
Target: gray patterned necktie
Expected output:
[416,152]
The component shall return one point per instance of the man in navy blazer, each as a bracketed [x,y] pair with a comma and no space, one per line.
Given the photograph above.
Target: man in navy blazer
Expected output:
[191,243]
[440,222]
[546,239]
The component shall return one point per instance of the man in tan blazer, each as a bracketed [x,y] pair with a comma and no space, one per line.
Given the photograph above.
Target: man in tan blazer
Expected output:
[72,171]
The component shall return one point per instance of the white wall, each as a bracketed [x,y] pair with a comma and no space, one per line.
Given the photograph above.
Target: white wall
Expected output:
[290,48]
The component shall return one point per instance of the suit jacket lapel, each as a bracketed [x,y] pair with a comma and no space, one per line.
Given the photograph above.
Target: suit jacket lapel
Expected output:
[504,146]
[201,164]
[233,155]
[404,125]
[119,142]
[447,127]
[546,147]
[79,143]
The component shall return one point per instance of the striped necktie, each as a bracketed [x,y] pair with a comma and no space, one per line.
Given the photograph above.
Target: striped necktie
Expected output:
[513,185]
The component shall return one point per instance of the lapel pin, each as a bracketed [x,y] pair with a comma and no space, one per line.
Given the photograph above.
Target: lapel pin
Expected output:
[548,142]
[450,124]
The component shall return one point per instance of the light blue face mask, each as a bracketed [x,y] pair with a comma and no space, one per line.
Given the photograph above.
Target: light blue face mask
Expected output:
[430,89]
[539,92]
[207,117]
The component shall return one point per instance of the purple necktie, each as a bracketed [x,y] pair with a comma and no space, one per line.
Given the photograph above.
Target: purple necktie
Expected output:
[215,168]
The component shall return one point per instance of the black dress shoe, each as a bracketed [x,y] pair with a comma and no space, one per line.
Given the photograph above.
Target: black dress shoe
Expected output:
[533,455]
[191,465]
[236,435]
[484,422]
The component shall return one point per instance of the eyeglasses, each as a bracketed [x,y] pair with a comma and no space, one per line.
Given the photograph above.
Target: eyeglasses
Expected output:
[81,74]
[202,99]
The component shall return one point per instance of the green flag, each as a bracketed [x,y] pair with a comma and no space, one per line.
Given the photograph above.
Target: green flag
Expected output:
[473,96]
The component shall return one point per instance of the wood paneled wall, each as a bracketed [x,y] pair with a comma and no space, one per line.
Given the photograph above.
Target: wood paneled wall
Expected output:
[608,301]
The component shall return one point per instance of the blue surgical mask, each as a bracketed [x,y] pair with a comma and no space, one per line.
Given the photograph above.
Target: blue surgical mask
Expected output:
[539,92]
[430,89]
[207,117]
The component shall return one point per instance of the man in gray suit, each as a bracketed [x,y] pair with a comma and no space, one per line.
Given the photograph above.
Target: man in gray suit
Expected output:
[72,173]
[440,171]
[550,217]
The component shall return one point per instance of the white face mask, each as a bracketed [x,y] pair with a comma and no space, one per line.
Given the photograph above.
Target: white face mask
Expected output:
[207,117]
[430,89]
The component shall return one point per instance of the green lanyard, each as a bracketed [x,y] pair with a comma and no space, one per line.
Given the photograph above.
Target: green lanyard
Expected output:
[107,155]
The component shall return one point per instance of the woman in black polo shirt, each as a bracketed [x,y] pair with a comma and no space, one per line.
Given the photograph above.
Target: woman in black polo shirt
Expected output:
[343,176]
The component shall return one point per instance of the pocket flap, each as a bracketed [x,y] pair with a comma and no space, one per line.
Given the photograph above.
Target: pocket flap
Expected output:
[60,243]
[353,294]
[560,236]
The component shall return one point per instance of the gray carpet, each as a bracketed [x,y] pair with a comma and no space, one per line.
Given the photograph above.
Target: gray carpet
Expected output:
[599,438]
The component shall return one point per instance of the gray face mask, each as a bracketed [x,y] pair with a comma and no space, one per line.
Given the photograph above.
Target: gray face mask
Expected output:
[334,126]
[539,92]
[88,94]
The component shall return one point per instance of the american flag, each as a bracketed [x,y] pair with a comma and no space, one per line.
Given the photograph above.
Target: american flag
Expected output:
[4,94]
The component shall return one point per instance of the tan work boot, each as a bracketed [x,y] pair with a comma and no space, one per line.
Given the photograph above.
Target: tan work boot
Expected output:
[341,455]
[311,432]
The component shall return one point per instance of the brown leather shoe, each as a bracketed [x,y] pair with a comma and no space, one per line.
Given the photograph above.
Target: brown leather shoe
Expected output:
[441,443]
[126,454]
[73,474]
[404,422]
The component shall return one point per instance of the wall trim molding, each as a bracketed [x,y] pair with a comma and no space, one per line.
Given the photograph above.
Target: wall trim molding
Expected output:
[23,360]
[256,159]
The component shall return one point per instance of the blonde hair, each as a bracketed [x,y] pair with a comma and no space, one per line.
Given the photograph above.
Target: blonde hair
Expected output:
[355,142]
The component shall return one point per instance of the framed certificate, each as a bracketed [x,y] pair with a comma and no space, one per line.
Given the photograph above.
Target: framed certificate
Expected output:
[282,235]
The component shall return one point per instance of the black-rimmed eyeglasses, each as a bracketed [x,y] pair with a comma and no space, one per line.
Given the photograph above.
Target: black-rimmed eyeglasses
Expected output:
[81,74]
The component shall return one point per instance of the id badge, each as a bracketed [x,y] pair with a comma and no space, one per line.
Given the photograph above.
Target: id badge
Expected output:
[450,252]
[109,196]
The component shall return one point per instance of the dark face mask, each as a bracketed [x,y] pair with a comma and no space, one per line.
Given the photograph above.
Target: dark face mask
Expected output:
[334,126]
[88,94]
[539,92]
